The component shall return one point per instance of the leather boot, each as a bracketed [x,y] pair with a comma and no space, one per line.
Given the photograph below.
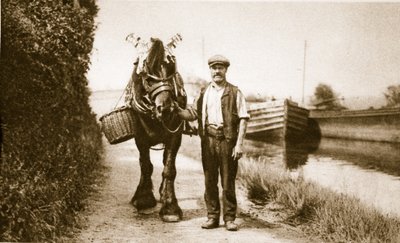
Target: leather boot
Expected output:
[210,224]
[231,226]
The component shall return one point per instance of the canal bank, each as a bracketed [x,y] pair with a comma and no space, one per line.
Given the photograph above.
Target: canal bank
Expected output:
[344,166]
[314,209]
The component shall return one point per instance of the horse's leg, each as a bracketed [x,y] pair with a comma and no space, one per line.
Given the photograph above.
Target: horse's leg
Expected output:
[170,210]
[144,196]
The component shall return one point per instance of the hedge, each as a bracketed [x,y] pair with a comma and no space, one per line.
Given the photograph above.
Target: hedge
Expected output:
[51,142]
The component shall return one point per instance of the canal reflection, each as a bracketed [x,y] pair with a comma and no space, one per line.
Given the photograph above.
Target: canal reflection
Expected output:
[294,154]
[368,155]
[368,170]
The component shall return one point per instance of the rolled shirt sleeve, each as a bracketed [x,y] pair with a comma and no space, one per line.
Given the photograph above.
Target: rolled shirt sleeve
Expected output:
[241,106]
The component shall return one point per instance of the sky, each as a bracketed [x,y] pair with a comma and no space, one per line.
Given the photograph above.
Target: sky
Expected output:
[274,47]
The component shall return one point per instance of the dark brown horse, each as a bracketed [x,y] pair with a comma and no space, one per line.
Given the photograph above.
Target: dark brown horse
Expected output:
[156,88]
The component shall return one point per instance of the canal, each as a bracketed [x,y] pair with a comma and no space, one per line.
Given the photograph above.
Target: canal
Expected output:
[366,170]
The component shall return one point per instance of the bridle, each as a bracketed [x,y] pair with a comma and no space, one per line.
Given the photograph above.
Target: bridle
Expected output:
[162,84]
[152,91]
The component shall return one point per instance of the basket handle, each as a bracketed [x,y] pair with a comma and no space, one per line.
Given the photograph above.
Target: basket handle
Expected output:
[122,94]
[130,83]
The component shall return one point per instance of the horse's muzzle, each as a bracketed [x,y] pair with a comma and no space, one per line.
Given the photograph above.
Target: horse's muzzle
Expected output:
[163,112]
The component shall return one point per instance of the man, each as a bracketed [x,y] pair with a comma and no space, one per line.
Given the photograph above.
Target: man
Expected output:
[222,119]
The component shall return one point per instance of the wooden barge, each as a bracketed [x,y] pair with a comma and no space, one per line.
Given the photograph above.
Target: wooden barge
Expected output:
[379,125]
[274,121]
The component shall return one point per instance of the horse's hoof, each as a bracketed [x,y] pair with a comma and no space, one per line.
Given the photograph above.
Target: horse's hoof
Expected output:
[171,218]
[144,202]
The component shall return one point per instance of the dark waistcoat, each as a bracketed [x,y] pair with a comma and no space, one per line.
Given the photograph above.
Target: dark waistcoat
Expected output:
[229,111]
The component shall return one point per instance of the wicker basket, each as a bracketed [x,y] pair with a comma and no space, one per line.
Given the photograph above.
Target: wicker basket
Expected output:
[118,125]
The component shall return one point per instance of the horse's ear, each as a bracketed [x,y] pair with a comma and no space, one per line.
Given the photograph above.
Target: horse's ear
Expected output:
[172,45]
[133,38]
[174,41]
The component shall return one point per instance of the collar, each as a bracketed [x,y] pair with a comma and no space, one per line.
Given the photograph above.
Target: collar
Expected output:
[218,87]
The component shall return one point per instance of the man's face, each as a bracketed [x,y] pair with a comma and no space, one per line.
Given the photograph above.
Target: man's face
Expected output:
[218,73]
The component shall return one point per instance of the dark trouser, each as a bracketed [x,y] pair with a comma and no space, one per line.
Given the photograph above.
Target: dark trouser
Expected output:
[217,156]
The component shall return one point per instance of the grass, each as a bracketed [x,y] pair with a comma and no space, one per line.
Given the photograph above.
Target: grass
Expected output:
[317,211]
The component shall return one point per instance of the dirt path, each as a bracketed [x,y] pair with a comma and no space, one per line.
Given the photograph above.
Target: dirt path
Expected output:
[110,217]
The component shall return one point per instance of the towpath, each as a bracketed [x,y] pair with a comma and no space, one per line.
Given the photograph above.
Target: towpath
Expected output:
[111,218]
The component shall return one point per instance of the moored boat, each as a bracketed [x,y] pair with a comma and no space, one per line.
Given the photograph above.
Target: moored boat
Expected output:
[273,121]
[380,125]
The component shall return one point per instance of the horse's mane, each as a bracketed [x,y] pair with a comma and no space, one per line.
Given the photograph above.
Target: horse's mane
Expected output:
[155,57]
[153,61]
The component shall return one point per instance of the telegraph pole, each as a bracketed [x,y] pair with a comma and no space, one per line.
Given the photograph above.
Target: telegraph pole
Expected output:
[203,57]
[304,71]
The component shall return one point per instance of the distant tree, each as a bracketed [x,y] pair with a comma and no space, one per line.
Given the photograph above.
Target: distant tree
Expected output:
[198,81]
[256,98]
[193,86]
[325,97]
[392,96]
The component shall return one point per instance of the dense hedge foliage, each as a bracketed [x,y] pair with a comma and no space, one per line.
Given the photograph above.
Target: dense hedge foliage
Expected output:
[51,140]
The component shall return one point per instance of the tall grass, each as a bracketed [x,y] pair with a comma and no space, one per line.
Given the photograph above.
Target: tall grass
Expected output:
[318,211]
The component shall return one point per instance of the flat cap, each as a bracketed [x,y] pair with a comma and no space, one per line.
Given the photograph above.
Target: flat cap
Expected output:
[218,59]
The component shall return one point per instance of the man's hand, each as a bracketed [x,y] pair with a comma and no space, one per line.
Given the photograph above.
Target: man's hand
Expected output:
[185,114]
[181,112]
[177,108]
[237,152]
[238,149]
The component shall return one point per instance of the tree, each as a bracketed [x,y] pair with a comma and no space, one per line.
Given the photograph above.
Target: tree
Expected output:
[256,97]
[193,86]
[392,96]
[325,97]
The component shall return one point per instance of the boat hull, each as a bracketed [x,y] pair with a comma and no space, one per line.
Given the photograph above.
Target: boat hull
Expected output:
[381,125]
[275,121]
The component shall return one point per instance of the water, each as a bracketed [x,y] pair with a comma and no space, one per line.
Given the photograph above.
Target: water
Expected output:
[351,167]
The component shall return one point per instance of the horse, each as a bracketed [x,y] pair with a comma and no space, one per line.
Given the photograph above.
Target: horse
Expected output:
[156,88]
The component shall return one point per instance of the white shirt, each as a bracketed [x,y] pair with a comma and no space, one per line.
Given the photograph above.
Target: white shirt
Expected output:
[212,109]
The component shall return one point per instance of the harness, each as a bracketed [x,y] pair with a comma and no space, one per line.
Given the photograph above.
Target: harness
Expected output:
[145,104]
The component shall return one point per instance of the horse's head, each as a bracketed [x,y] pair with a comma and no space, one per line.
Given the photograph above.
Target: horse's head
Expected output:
[159,71]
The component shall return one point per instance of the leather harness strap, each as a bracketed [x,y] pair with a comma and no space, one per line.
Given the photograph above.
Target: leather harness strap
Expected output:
[156,88]
[161,79]
[159,89]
